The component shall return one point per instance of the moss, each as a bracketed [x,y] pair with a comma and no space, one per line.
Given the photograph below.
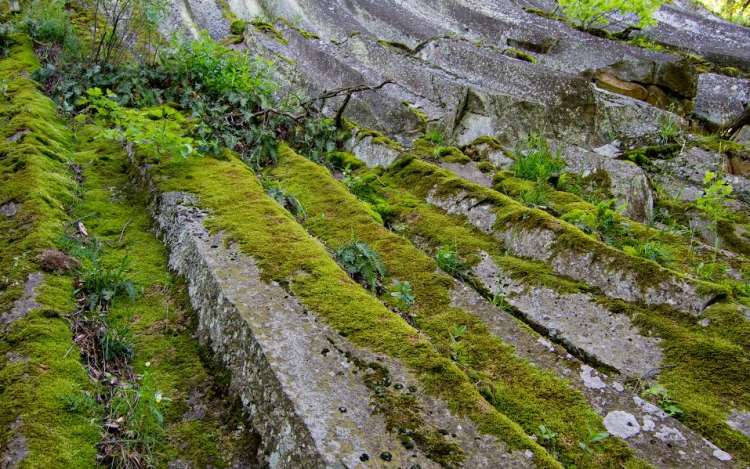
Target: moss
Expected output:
[423,118]
[305,34]
[238,27]
[342,159]
[523,393]
[286,59]
[286,253]
[269,30]
[712,373]
[520,55]
[397,45]
[643,156]
[161,319]
[36,386]
[377,137]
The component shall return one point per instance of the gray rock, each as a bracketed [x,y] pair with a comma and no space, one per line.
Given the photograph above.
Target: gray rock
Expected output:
[720,99]
[207,14]
[740,421]
[621,424]
[26,303]
[10,209]
[17,449]
[272,346]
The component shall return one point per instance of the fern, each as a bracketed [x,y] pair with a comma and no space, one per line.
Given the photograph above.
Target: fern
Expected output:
[360,260]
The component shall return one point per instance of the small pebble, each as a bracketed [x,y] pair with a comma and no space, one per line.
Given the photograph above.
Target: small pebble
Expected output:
[386,456]
[342,409]
[364,457]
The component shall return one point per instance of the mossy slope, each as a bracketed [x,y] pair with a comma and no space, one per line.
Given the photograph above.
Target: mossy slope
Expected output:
[39,373]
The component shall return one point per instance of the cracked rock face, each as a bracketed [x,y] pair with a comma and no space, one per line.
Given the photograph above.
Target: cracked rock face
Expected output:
[26,303]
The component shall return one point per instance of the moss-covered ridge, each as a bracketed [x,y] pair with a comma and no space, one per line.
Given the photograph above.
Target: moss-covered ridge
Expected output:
[161,321]
[706,396]
[534,233]
[286,253]
[520,391]
[39,375]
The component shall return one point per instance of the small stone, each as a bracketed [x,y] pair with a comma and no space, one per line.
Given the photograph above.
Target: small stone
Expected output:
[342,409]
[412,389]
[364,457]
[705,322]
[722,455]
[398,386]
[621,424]
[386,456]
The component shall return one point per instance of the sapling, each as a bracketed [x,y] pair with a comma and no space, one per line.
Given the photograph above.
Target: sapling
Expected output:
[713,203]
[403,294]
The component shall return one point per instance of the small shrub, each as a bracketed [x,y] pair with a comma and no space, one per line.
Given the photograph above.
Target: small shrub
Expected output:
[712,203]
[669,131]
[538,197]
[361,261]
[652,250]
[102,285]
[590,13]
[534,160]
[48,23]
[456,334]
[280,195]
[403,294]
[604,221]
[448,260]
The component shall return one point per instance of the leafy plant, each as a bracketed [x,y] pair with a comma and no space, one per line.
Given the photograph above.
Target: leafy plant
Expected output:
[709,270]
[158,130]
[49,25]
[3,88]
[664,399]
[712,203]
[102,285]
[117,342]
[448,260]
[403,294]
[6,38]
[668,128]
[590,13]
[591,439]
[436,138]
[534,159]
[607,223]
[538,197]
[548,439]
[360,260]
[280,195]
[457,333]
[652,250]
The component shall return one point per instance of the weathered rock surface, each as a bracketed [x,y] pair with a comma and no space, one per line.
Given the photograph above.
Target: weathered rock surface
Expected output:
[720,99]
[309,405]
[26,303]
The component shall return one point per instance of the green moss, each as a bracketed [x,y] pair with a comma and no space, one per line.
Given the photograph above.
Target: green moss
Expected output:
[712,373]
[520,55]
[285,252]
[643,156]
[377,137]
[268,29]
[35,387]
[238,27]
[161,320]
[305,34]
[342,159]
[423,118]
[521,392]
[397,45]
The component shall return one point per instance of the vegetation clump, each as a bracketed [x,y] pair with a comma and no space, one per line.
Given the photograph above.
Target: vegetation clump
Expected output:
[361,261]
